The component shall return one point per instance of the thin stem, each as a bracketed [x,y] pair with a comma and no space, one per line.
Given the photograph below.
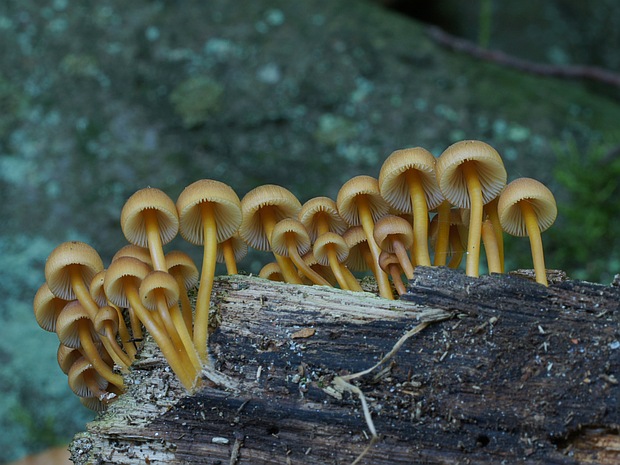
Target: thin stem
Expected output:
[302,266]
[153,239]
[86,341]
[419,210]
[533,231]
[403,258]
[491,247]
[443,233]
[475,219]
[229,256]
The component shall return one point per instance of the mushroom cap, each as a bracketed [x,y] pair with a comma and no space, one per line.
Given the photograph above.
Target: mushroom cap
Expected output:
[271,271]
[106,314]
[356,240]
[533,192]
[281,200]
[390,228]
[132,218]
[319,249]
[393,180]
[76,374]
[488,164]
[325,207]
[47,307]
[225,203]
[66,356]
[62,257]
[286,228]
[240,249]
[67,325]
[181,263]
[120,272]
[347,196]
[158,281]
[135,251]
[386,259]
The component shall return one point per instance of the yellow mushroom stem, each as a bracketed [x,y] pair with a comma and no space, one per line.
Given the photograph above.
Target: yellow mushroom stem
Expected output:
[186,306]
[203,299]
[153,239]
[301,265]
[368,225]
[443,233]
[86,341]
[161,338]
[229,256]
[533,231]
[111,345]
[490,210]
[457,249]
[419,210]
[475,219]
[268,220]
[84,298]
[174,325]
[123,332]
[491,247]
[403,258]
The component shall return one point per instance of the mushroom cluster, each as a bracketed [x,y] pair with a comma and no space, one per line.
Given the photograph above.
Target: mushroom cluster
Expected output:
[420,207]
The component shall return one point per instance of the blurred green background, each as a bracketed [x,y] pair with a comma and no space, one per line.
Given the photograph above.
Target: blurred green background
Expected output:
[101,98]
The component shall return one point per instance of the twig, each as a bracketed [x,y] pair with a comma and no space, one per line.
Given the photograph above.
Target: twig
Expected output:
[593,73]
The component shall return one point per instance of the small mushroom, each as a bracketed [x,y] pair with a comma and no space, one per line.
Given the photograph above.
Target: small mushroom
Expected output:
[526,208]
[394,234]
[184,270]
[85,381]
[360,258]
[210,213]
[149,219]
[320,215]
[75,329]
[289,238]
[47,307]
[272,272]
[107,324]
[456,234]
[360,203]
[391,265]
[470,174]
[407,183]
[121,284]
[262,208]
[330,249]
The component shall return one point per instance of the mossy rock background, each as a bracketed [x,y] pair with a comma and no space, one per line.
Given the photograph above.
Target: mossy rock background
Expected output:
[102,98]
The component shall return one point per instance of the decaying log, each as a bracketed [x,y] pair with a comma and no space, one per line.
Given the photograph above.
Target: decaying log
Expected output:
[503,370]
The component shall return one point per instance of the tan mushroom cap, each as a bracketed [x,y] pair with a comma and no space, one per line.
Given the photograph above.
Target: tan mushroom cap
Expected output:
[320,209]
[319,249]
[158,282]
[393,180]
[47,307]
[133,221]
[387,259]
[289,228]
[281,200]
[106,318]
[67,325]
[537,195]
[390,228]
[354,187]
[78,375]
[226,207]
[488,165]
[132,250]
[96,289]
[64,256]
[66,356]
[180,263]
[271,271]
[356,240]
[239,248]
[119,270]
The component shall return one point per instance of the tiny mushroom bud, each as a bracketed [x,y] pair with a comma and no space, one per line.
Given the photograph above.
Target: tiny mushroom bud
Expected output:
[330,249]
[391,265]
[272,272]
[470,174]
[149,219]
[526,208]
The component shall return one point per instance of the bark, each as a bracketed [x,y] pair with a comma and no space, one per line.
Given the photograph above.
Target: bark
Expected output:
[503,370]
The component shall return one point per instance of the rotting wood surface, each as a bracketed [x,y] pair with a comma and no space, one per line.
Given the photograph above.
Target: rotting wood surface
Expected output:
[508,372]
